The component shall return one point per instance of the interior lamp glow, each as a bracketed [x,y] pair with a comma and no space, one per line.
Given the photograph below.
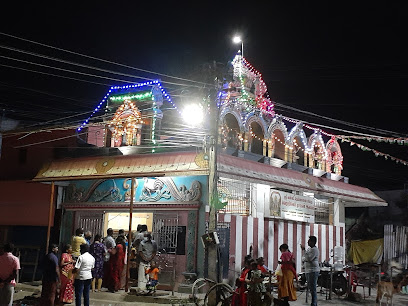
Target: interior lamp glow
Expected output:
[193,114]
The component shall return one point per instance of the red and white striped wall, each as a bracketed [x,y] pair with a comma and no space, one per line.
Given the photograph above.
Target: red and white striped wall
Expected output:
[266,235]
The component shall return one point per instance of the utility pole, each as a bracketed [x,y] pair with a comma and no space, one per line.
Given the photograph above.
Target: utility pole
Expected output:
[213,265]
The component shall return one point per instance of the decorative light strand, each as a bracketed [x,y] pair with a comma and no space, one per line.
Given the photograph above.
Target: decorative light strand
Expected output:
[265,105]
[140,96]
[116,88]
[105,98]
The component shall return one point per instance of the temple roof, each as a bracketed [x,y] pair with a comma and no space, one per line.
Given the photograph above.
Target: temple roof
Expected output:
[192,163]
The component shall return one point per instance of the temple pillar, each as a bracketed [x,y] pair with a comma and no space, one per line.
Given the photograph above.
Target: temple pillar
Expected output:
[264,147]
[246,142]
[311,161]
[271,149]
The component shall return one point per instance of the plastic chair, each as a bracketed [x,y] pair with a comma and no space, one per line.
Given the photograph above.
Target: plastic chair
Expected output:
[355,283]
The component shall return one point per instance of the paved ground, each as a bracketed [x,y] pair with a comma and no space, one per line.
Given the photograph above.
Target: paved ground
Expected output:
[28,294]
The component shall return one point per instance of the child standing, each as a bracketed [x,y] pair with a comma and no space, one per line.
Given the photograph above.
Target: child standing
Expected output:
[153,272]
[256,287]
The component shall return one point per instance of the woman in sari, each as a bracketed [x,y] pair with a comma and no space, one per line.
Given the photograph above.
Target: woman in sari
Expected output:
[286,289]
[67,278]
[240,296]
[117,263]
[98,251]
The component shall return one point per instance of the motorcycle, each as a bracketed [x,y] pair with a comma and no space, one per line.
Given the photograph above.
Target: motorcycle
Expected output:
[338,284]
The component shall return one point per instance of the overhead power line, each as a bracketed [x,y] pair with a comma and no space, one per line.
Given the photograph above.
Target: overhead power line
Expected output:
[66,70]
[55,75]
[355,125]
[102,60]
[88,66]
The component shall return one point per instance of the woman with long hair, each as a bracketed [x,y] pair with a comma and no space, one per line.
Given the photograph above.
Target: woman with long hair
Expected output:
[286,289]
[98,251]
[67,278]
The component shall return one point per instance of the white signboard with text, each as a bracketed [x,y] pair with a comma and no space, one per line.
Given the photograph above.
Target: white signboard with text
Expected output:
[291,206]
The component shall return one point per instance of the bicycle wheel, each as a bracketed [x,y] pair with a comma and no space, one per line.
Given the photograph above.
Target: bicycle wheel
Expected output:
[198,286]
[222,293]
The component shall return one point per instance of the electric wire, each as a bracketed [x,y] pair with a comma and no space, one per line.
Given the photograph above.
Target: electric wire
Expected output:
[89,67]
[102,60]
[56,75]
[363,127]
[67,70]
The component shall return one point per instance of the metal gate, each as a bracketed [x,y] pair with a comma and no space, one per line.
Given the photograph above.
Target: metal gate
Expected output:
[223,230]
[164,232]
[395,244]
[90,221]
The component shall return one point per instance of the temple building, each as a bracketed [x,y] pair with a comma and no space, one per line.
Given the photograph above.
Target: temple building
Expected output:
[279,179]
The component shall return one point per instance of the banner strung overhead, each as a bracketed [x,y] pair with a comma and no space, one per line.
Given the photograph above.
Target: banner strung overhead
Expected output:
[291,206]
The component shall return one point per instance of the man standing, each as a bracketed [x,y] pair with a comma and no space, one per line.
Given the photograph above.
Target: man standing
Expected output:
[50,280]
[88,237]
[77,240]
[83,266]
[108,241]
[110,245]
[139,236]
[147,251]
[312,269]
[9,264]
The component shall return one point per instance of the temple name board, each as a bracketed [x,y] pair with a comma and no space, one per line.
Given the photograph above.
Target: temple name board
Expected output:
[291,206]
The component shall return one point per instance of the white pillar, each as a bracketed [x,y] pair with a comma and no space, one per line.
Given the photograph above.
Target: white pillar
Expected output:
[338,212]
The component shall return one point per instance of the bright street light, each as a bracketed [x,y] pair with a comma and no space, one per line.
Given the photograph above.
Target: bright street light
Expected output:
[193,114]
[236,40]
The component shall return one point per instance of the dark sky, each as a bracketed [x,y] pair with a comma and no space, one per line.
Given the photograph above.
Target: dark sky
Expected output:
[347,62]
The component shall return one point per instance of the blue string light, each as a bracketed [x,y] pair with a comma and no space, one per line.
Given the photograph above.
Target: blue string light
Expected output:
[116,88]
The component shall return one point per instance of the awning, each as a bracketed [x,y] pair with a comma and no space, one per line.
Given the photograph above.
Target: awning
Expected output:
[157,164]
[192,163]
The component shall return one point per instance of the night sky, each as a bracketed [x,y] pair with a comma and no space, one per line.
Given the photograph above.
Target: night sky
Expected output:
[341,61]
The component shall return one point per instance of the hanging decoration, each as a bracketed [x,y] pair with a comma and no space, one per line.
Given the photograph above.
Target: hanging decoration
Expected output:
[376,153]
[391,140]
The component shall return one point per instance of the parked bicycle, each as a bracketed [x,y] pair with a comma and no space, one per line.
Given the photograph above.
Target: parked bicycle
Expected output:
[221,292]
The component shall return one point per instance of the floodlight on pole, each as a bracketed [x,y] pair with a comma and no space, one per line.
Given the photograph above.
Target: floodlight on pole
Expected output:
[236,40]
[193,114]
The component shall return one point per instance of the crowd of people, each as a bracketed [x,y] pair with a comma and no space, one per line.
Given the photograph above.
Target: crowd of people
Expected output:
[86,265]
[250,286]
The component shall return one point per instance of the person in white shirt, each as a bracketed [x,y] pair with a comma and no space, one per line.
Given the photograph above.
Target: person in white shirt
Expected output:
[312,268]
[83,279]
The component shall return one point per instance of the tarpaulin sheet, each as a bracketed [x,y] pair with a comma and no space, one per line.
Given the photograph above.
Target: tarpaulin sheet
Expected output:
[367,251]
